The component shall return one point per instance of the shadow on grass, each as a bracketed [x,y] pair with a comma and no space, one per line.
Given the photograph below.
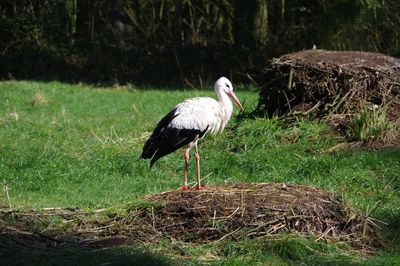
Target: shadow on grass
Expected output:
[25,248]
[391,233]
[77,255]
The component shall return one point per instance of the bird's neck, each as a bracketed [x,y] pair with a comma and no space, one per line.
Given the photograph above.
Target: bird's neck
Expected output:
[225,105]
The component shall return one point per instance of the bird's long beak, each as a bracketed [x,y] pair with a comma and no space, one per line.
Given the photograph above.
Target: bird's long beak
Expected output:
[236,100]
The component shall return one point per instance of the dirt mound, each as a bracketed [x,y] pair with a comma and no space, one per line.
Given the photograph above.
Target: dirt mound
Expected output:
[330,82]
[234,211]
[254,210]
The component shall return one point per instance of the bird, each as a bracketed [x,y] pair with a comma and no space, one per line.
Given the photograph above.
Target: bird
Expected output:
[189,122]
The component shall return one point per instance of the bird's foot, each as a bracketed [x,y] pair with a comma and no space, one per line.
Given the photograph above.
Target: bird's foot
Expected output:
[185,187]
[201,187]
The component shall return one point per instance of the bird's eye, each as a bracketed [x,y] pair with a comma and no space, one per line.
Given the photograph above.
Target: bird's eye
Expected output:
[227,85]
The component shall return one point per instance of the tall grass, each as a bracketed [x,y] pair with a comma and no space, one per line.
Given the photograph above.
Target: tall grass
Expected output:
[371,124]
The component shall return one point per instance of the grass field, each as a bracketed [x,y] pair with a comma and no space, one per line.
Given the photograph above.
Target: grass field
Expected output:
[78,146]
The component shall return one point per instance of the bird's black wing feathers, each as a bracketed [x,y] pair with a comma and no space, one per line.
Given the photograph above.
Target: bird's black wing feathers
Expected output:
[164,122]
[151,144]
[166,140]
[172,139]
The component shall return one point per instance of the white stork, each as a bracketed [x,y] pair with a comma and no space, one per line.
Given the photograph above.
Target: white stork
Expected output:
[188,122]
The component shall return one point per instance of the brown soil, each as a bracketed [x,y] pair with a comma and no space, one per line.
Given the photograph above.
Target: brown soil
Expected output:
[234,212]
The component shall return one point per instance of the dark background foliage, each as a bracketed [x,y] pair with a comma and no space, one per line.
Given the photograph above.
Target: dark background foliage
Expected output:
[166,42]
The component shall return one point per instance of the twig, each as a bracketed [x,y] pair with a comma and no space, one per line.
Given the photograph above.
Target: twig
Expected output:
[313,108]
[352,91]
[324,234]
[50,238]
[287,100]
[213,223]
[233,213]
[287,225]
[153,218]
[98,138]
[7,194]
[225,236]
[195,182]
[22,232]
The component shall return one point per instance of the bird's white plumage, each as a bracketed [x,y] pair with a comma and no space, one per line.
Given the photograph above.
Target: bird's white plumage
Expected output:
[203,113]
[200,113]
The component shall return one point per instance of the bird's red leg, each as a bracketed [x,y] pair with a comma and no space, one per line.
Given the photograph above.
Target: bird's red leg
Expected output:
[197,155]
[186,170]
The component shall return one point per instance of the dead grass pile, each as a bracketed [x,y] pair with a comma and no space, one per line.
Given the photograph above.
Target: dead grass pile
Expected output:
[257,210]
[238,211]
[329,83]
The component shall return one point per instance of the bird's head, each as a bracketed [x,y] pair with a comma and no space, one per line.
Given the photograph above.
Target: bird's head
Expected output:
[224,85]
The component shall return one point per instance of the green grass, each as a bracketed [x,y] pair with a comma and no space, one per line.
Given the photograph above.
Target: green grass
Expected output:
[78,146]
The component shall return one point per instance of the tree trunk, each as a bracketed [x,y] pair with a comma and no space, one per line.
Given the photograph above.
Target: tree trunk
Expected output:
[177,31]
[260,23]
[250,23]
